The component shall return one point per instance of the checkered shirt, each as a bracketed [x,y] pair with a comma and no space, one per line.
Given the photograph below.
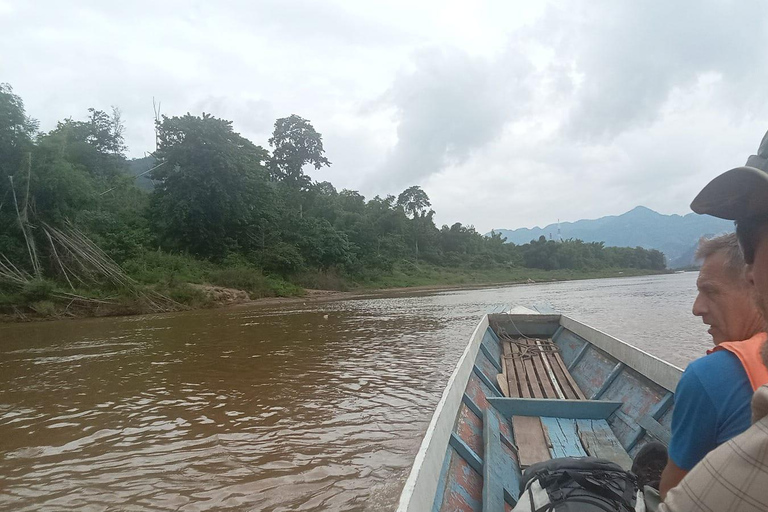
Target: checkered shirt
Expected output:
[732,477]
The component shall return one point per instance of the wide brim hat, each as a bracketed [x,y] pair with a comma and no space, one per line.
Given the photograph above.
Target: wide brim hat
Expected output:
[740,193]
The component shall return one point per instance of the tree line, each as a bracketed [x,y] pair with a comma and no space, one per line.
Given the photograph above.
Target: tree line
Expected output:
[71,201]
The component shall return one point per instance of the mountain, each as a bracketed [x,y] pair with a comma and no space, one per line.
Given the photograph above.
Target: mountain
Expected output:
[685,260]
[674,235]
[137,167]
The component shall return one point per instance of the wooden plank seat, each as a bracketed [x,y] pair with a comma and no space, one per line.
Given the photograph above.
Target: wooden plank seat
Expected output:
[538,407]
[532,446]
[562,437]
[568,437]
[543,438]
[549,428]
[599,441]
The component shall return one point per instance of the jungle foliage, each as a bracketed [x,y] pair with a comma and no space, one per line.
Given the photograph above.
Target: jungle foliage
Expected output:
[210,206]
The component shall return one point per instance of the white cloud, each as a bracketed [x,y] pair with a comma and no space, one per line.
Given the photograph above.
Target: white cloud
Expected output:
[508,114]
[448,106]
[633,55]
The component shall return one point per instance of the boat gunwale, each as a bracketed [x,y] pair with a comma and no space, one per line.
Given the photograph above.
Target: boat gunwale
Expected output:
[427,465]
[653,368]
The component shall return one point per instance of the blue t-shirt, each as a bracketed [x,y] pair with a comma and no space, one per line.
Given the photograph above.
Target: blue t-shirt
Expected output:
[712,405]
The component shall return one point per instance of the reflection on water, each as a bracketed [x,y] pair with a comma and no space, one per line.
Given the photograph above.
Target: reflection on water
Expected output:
[314,407]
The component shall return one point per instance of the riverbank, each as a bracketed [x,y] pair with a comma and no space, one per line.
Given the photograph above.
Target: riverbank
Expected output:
[254,288]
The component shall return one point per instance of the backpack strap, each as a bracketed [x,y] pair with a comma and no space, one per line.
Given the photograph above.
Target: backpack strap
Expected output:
[624,499]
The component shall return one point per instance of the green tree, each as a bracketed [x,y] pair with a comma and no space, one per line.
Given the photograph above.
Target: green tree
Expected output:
[16,142]
[16,131]
[60,185]
[96,144]
[295,144]
[213,193]
[386,225]
[414,201]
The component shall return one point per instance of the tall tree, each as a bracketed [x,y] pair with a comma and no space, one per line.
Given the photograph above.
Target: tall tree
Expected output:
[96,143]
[212,193]
[16,131]
[295,143]
[414,201]
[16,142]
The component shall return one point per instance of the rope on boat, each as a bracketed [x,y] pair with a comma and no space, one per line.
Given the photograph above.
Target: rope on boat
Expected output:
[527,350]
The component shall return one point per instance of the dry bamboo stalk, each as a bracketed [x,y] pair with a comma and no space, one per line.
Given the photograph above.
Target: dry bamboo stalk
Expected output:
[58,260]
[83,250]
[29,180]
[11,273]
[20,272]
[30,243]
[71,244]
[80,298]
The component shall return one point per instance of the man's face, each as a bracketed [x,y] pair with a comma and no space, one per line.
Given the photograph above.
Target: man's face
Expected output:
[724,302]
[757,272]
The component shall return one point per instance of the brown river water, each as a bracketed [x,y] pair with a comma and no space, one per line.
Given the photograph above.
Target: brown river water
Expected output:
[317,406]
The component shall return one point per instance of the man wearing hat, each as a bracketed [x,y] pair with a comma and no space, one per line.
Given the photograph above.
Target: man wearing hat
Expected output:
[734,476]
[712,399]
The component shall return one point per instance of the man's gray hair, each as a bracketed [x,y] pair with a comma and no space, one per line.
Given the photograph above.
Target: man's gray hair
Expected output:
[728,245]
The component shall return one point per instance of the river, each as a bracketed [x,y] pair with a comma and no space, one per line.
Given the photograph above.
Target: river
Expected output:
[317,406]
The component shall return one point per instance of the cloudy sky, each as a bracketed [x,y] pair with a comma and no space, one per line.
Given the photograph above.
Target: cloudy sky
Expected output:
[507,113]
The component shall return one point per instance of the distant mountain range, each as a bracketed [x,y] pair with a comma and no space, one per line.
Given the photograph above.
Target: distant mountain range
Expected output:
[674,235]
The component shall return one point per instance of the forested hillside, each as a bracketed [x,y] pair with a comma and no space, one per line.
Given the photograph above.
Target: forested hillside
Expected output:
[82,226]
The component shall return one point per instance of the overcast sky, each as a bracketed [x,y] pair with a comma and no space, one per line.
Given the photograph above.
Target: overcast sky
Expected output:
[508,113]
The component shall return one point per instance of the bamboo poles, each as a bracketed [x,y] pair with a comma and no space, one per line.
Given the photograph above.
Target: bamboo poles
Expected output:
[24,226]
[94,263]
[78,258]
[11,273]
[72,255]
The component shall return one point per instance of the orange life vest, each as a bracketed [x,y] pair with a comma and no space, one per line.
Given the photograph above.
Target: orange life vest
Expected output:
[748,352]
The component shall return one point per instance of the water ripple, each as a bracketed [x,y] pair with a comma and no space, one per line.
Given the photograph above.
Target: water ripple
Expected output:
[317,407]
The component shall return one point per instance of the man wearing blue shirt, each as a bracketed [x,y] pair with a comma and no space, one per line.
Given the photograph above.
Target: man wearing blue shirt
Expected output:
[712,400]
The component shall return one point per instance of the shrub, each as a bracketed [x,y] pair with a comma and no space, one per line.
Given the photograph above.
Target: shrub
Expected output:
[37,290]
[282,258]
[282,288]
[186,294]
[244,278]
[44,308]
[162,267]
[321,280]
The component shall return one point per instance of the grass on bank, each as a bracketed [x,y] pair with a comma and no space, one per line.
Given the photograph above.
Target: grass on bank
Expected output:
[170,273]
[409,274]
[187,281]
[183,279]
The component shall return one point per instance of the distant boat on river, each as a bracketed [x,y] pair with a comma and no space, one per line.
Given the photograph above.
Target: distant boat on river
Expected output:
[534,385]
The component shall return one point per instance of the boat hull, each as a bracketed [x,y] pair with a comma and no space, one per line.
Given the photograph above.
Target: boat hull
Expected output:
[531,386]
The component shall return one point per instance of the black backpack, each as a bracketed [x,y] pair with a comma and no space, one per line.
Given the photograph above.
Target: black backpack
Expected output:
[578,484]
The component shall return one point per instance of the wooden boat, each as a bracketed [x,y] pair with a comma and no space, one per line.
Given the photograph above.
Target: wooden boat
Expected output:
[533,385]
